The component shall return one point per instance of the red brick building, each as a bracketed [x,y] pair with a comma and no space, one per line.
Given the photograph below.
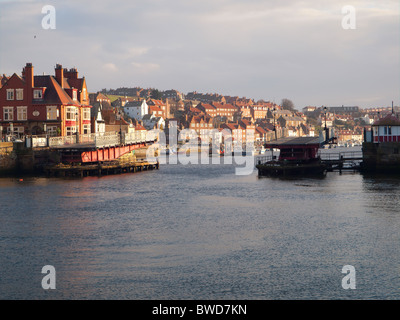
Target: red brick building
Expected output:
[163,106]
[225,110]
[56,105]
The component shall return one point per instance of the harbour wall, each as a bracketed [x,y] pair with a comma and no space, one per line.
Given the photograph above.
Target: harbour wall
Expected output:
[16,158]
[384,156]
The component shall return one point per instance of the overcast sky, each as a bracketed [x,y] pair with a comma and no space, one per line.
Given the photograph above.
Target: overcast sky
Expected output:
[254,48]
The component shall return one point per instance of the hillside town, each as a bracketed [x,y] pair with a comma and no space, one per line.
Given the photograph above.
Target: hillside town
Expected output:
[61,105]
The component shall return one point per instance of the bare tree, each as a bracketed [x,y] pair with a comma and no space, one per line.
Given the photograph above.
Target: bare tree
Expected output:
[287,104]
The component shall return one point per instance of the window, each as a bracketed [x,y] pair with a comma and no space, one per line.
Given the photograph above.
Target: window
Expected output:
[52,131]
[86,114]
[10,94]
[22,113]
[37,94]
[8,113]
[390,130]
[20,94]
[17,130]
[51,112]
[86,128]
[74,95]
[70,113]
[70,130]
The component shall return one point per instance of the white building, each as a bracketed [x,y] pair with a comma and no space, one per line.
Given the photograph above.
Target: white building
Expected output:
[151,122]
[367,119]
[136,109]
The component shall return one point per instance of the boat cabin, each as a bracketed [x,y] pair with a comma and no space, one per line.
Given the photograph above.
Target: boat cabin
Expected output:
[295,149]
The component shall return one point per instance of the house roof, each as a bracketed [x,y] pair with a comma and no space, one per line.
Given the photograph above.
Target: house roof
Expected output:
[261,130]
[148,116]
[156,102]
[138,126]
[389,120]
[53,94]
[134,104]
[302,141]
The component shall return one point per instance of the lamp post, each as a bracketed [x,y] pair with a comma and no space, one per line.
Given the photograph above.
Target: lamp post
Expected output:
[11,131]
[77,126]
[326,129]
[379,138]
[120,126]
[273,112]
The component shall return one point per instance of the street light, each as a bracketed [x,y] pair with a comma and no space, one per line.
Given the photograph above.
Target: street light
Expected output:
[77,126]
[273,112]
[326,129]
[120,126]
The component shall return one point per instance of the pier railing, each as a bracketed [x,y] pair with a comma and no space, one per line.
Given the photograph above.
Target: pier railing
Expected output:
[104,139]
[347,155]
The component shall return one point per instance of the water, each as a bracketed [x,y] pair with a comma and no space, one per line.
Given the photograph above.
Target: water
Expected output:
[200,232]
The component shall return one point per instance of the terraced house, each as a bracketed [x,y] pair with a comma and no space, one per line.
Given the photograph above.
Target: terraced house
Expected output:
[45,104]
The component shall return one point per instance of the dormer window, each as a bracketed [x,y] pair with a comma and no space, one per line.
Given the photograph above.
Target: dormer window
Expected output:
[37,94]
[74,95]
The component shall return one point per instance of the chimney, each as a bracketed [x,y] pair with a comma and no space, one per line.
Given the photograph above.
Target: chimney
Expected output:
[28,75]
[71,73]
[60,75]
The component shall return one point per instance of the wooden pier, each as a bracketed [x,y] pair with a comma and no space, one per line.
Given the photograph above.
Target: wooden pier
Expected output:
[99,169]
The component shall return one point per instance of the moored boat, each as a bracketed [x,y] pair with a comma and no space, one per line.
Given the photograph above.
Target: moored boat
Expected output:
[298,156]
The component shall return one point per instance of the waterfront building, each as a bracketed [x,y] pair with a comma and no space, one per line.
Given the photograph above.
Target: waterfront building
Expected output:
[45,104]
[386,129]
[381,146]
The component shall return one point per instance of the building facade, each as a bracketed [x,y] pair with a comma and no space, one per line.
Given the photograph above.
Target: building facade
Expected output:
[53,105]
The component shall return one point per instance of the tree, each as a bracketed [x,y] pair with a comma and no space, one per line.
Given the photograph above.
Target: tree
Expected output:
[287,104]
[155,94]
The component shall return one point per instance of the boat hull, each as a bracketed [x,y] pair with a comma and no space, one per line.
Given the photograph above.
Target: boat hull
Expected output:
[277,168]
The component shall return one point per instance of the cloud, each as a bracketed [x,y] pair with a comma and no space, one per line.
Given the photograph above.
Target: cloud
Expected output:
[111,67]
[145,67]
[260,49]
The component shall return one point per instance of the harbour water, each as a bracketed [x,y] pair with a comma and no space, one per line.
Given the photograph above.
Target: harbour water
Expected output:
[200,232]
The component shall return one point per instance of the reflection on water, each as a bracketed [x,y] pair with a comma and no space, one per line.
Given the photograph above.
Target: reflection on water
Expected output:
[200,232]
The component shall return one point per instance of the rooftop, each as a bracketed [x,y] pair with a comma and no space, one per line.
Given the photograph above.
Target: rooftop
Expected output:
[290,141]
